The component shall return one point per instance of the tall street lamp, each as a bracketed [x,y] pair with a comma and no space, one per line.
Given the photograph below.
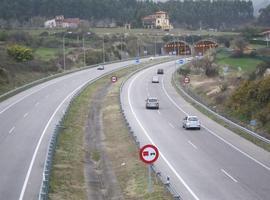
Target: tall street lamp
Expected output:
[64,54]
[84,57]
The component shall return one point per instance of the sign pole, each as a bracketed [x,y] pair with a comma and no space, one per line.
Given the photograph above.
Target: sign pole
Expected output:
[149,154]
[149,179]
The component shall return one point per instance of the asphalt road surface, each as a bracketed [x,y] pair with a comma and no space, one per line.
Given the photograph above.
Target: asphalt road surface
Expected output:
[27,121]
[208,164]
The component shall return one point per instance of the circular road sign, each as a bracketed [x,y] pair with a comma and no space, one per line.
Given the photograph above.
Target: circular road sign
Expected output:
[113,79]
[186,80]
[149,154]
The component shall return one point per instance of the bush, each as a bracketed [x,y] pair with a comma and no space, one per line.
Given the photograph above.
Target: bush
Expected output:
[4,76]
[183,71]
[20,53]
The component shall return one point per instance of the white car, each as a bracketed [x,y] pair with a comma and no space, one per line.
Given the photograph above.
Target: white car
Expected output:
[155,79]
[100,67]
[191,122]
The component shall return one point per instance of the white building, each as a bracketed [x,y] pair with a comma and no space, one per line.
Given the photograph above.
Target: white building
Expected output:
[50,23]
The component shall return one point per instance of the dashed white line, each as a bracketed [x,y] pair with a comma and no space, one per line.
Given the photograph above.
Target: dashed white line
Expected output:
[151,140]
[194,146]
[227,174]
[25,115]
[159,112]
[11,130]
[214,134]
[171,125]
[37,104]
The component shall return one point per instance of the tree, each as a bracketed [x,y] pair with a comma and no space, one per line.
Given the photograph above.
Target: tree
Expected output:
[20,53]
[240,44]
[264,17]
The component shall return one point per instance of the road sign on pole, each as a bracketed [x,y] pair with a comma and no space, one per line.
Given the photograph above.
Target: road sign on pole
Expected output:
[149,154]
[113,79]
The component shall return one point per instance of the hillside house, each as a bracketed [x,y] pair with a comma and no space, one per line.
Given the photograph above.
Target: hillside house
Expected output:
[61,22]
[160,20]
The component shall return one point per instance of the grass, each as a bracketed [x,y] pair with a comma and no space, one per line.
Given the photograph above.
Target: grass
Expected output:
[247,64]
[176,31]
[67,174]
[46,54]
[132,176]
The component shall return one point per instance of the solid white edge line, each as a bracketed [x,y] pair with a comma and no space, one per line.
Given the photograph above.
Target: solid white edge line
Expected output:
[150,139]
[40,140]
[11,130]
[211,132]
[194,146]
[29,94]
[230,176]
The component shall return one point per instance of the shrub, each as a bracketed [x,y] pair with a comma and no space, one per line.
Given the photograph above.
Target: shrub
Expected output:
[20,53]
[184,71]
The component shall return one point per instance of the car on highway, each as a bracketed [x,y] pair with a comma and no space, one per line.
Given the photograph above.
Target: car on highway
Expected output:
[191,122]
[152,103]
[155,79]
[160,71]
[100,67]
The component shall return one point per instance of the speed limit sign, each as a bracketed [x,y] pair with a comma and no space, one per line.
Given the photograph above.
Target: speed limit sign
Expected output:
[149,154]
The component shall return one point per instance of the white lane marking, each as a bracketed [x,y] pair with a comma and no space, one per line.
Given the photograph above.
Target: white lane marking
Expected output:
[150,139]
[41,137]
[194,146]
[37,104]
[159,112]
[211,132]
[25,115]
[11,130]
[230,176]
[19,100]
[171,125]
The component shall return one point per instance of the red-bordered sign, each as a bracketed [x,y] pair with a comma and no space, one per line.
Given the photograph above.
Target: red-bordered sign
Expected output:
[113,79]
[186,80]
[149,154]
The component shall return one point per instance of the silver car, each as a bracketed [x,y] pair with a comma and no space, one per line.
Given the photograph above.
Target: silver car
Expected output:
[155,79]
[191,122]
[152,103]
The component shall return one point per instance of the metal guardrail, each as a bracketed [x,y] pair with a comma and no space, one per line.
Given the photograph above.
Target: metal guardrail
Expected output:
[164,179]
[44,189]
[250,132]
[42,80]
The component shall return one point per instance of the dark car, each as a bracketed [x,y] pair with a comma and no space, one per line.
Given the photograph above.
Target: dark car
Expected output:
[160,71]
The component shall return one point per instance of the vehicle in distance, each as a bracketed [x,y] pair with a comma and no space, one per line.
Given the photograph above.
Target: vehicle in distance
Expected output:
[152,103]
[160,71]
[100,67]
[191,122]
[155,79]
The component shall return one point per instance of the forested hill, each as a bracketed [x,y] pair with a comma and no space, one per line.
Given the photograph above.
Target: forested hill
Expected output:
[205,12]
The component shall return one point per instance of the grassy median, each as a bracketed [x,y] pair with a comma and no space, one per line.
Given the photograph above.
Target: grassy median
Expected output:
[67,179]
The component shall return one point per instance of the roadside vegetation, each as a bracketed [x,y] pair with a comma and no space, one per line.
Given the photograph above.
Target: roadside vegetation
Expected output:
[67,178]
[235,82]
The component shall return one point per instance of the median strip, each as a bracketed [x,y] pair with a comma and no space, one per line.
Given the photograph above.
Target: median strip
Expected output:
[69,178]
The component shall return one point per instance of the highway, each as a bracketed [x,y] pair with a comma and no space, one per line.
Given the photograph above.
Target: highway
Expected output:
[208,164]
[27,121]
